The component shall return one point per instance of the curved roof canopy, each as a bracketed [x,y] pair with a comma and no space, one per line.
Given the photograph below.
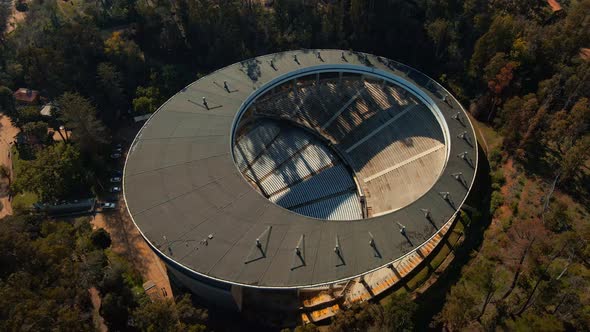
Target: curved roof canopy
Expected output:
[192,205]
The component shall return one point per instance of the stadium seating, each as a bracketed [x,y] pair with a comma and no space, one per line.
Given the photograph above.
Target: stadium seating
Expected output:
[331,181]
[248,147]
[393,143]
[342,207]
[307,162]
[282,148]
[297,171]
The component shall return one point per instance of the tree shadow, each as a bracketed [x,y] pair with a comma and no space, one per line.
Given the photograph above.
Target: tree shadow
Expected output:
[432,300]
[318,101]
[539,163]
[251,68]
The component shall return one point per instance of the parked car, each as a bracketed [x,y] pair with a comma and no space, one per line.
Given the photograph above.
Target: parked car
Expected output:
[115,189]
[115,155]
[117,150]
[117,173]
[115,179]
[109,205]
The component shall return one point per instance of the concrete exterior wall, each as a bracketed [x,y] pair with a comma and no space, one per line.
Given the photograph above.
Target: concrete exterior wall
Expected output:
[228,299]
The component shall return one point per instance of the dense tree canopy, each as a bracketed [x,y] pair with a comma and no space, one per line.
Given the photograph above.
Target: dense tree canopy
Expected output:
[517,64]
[169,316]
[45,271]
[6,101]
[53,174]
[79,116]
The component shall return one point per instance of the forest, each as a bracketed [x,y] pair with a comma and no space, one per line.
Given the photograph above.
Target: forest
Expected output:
[520,67]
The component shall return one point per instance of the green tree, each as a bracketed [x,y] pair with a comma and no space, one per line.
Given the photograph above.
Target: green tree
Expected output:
[5,12]
[355,318]
[101,238]
[534,322]
[27,114]
[575,159]
[499,38]
[123,50]
[440,31]
[147,99]
[110,82]
[557,218]
[399,314]
[41,286]
[165,315]
[4,172]
[460,308]
[493,67]
[516,113]
[114,309]
[56,51]
[36,131]
[306,328]
[565,128]
[7,106]
[55,173]
[333,30]
[144,105]
[529,149]
[499,83]
[79,116]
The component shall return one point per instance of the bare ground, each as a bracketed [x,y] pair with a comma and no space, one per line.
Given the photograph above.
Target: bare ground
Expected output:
[7,133]
[128,242]
[15,18]
[96,317]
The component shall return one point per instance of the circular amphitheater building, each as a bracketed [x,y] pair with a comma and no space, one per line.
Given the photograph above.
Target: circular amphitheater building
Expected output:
[302,181]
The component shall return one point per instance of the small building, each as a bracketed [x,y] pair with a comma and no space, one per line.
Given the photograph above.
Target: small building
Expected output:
[59,136]
[26,96]
[46,110]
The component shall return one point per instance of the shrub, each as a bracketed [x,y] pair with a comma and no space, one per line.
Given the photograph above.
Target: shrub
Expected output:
[4,171]
[498,177]
[506,223]
[495,157]
[28,114]
[101,238]
[496,201]
[514,207]
[466,219]
[557,219]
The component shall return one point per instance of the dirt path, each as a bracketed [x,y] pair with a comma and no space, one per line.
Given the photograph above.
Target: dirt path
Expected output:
[481,137]
[96,317]
[127,241]
[7,133]
[15,18]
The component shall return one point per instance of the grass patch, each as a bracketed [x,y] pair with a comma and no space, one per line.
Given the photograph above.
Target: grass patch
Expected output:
[72,8]
[486,135]
[24,201]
